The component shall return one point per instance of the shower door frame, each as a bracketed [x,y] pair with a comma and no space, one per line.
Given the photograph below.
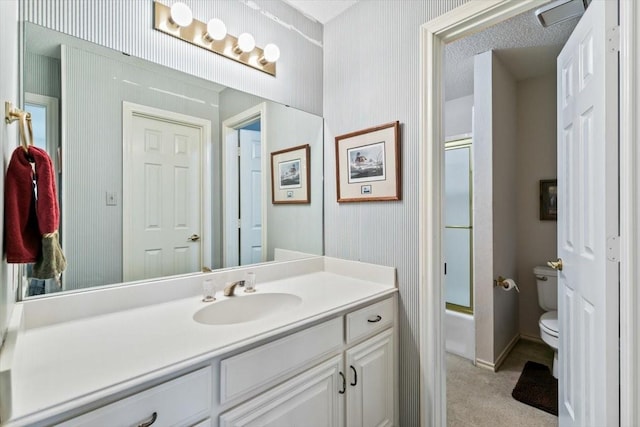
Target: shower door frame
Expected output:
[454,143]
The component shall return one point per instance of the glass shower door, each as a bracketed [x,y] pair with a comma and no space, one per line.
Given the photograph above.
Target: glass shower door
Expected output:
[458,247]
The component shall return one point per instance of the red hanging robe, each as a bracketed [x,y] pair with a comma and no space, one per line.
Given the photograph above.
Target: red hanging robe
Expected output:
[27,219]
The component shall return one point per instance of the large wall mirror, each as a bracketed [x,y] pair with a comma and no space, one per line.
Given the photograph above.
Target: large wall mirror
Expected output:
[160,173]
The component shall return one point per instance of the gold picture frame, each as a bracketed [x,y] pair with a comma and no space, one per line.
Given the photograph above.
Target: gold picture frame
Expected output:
[368,164]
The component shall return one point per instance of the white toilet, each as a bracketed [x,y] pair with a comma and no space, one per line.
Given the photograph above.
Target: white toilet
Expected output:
[547,281]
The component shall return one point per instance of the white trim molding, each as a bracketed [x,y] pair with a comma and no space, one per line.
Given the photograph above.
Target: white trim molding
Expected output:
[629,213]
[473,16]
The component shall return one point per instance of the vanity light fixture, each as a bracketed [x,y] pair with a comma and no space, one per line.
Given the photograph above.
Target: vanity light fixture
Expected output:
[178,21]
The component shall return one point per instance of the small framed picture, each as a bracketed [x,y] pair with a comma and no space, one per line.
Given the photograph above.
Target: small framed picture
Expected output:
[548,200]
[368,164]
[290,174]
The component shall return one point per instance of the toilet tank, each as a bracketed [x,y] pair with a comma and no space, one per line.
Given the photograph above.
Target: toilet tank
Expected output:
[547,283]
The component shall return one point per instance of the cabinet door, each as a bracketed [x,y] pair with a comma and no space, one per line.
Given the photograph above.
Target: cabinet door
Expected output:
[370,382]
[311,399]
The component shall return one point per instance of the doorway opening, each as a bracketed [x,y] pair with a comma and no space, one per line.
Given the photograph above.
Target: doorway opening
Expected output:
[244,189]
[461,22]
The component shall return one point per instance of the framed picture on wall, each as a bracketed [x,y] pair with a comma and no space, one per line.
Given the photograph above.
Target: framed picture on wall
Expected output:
[548,200]
[368,164]
[290,175]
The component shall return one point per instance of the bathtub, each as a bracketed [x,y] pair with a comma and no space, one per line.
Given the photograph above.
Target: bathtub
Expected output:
[460,334]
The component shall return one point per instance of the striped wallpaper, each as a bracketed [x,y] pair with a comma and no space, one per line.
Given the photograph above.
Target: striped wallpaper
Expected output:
[371,77]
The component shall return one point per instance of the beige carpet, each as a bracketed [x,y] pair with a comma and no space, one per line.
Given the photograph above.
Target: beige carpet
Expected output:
[480,397]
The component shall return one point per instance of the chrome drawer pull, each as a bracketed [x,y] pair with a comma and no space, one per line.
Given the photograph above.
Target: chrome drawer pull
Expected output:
[154,416]
[376,320]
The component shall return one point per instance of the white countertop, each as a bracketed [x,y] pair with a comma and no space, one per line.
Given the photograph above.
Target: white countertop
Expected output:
[61,366]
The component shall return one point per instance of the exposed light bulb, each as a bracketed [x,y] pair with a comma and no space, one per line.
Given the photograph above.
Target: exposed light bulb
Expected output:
[181,15]
[246,43]
[216,30]
[271,53]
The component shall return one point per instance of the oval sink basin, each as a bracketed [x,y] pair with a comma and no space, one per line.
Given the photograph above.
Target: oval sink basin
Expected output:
[245,308]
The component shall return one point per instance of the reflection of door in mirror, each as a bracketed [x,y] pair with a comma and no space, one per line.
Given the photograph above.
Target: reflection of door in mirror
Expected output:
[243,188]
[44,120]
[250,194]
[164,152]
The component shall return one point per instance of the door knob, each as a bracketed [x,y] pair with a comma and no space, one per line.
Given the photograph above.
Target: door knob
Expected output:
[556,265]
[194,238]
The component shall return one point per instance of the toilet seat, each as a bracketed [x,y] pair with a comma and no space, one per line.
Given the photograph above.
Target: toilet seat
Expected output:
[549,323]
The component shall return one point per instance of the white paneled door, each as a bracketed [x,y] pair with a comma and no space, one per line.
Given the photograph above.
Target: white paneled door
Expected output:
[162,197]
[250,197]
[588,221]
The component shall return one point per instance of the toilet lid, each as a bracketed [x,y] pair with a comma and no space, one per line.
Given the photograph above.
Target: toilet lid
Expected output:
[549,321]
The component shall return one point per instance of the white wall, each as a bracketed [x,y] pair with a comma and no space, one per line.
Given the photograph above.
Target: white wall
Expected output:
[483,208]
[8,135]
[495,210]
[371,77]
[536,160]
[458,116]
[505,304]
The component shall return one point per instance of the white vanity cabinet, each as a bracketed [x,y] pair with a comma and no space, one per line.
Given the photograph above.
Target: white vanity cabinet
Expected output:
[354,387]
[329,360]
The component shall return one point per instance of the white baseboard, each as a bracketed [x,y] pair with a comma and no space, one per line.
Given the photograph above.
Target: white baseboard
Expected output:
[506,351]
[485,365]
[496,365]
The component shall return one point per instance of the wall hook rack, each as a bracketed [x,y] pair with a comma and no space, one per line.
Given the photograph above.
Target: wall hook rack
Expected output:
[11,113]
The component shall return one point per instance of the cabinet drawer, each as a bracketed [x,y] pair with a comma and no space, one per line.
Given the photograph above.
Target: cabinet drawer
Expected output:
[183,401]
[369,320]
[255,369]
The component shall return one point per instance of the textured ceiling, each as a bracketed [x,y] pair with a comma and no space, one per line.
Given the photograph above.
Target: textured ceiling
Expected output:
[522,44]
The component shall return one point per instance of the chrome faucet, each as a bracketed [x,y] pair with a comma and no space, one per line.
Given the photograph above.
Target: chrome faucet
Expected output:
[231,287]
